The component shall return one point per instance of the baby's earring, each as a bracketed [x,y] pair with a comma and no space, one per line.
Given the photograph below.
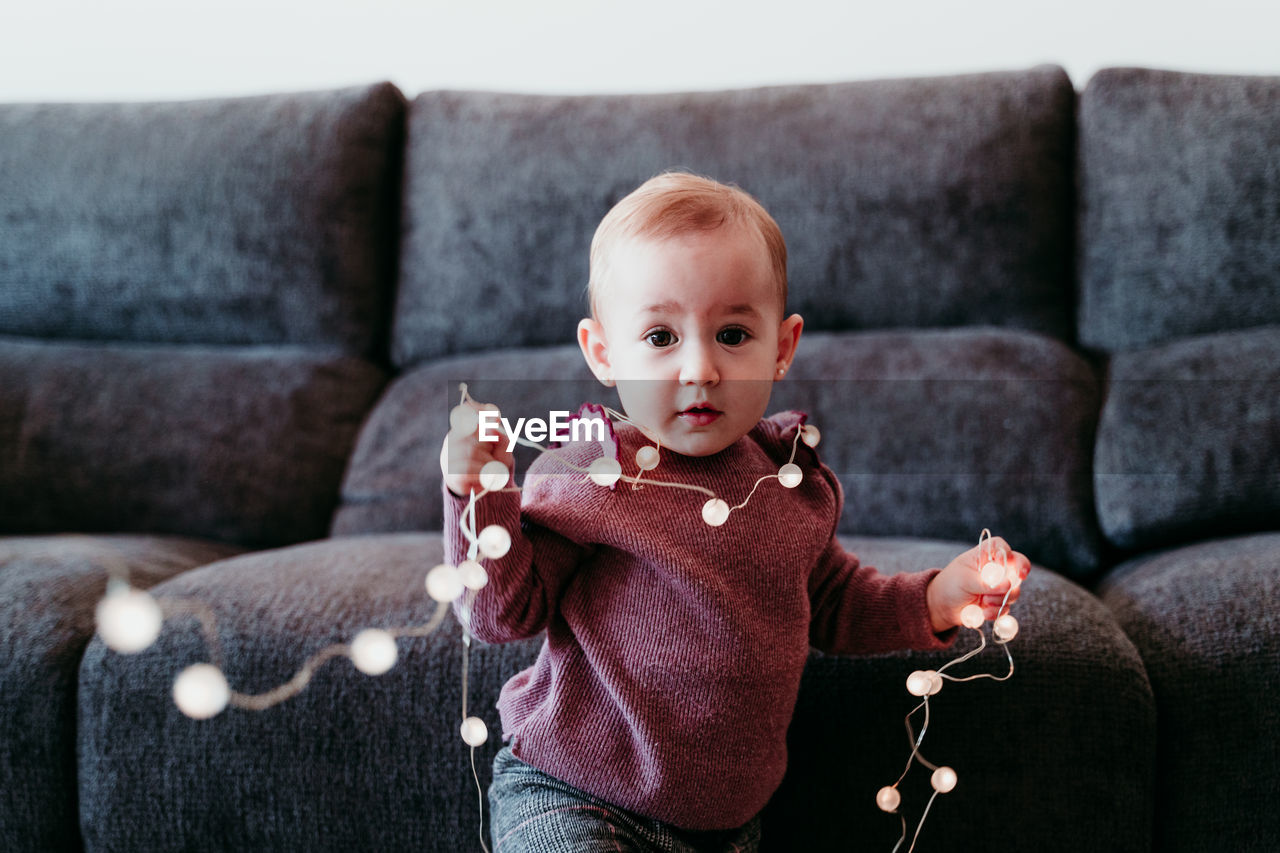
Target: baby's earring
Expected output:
[781,370]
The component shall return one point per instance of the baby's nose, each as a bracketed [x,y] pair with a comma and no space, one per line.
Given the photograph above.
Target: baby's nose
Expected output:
[698,367]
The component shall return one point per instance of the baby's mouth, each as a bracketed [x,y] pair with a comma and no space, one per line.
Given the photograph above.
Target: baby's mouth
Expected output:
[700,414]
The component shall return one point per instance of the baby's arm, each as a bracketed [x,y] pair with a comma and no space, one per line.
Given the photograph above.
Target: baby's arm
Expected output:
[525,584]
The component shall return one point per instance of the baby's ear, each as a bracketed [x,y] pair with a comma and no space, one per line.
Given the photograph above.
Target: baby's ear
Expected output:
[595,349]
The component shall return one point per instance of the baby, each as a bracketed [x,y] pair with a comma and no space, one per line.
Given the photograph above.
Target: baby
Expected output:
[656,714]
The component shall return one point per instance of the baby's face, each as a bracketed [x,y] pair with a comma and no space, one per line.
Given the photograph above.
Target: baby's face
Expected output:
[692,331]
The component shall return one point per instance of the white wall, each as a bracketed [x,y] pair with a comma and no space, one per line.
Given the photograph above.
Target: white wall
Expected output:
[164,49]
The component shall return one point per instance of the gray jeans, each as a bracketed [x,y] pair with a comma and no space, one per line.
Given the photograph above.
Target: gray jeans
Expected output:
[532,812]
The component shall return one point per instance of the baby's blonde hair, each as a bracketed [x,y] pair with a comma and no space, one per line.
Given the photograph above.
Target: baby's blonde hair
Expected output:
[675,203]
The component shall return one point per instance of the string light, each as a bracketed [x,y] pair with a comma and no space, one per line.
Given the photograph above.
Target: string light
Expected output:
[926,683]
[130,620]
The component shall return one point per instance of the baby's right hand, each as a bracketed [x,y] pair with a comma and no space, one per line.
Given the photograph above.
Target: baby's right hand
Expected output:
[462,457]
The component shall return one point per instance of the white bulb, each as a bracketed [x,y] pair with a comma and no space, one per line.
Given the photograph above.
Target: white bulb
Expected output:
[647,458]
[935,682]
[201,691]
[715,512]
[473,575]
[943,780]
[810,435]
[790,475]
[494,475]
[444,583]
[919,683]
[373,651]
[971,616]
[463,420]
[474,731]
[1006,627]
[1013,576]
[604,471]
[888,798]
[991,575]
[494,541]
[129,620]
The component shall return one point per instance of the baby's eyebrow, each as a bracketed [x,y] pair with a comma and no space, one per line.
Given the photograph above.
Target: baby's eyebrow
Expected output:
[670,306]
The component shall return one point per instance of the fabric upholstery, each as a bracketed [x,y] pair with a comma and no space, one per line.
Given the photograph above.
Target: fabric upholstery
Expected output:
[1204,619]
[49,589]
[354,762]
[1059,757]
[393,481]
[920,202]
[1180,205]
[932,433]
[267,219]
[361,762]
[1189,440]
[239,445]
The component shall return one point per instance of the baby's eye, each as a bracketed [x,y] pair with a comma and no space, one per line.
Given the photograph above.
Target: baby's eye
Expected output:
[660,338]
[732,337]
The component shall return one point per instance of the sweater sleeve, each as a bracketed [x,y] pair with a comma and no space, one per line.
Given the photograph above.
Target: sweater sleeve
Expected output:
[548,522]
[855,609]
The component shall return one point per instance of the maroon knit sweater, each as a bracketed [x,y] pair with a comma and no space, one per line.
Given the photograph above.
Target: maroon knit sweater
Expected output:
[673,649]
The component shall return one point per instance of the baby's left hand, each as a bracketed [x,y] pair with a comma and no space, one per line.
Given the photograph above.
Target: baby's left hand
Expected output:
[960,583]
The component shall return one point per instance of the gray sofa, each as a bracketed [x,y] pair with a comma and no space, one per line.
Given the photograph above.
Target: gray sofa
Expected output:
[231,331]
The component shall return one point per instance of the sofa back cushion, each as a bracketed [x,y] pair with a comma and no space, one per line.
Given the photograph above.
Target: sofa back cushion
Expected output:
[253,220]
[918,202]
[1180,195]
[243,445]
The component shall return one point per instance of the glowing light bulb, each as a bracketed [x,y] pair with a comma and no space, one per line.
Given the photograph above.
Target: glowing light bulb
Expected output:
[1013,576]
[444,583]
[943,780]
[971,616]
[810,435]
[474,731]
[494,475]
[463,420]
[715,512]
[647,458]
[935,682]
[128,620]
[473,575]
[604,471]
[373,651]
[1006,627]
[790,475]
[919,683]
[888,798]
[992,573]
[494,541]
[200,691]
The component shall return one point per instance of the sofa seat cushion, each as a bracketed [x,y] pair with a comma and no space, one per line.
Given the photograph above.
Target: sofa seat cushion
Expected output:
[933,201]
[1204,618]
[1180,205]
[1057,758]
[934,433]
[49,589]
[353,762]
[1189,440]
[240,445]
[258,220]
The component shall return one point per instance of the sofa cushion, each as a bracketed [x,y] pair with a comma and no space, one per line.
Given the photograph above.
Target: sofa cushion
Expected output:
[267,219]
[393,481]
[240,445]
[932,433]
[1057,758]
[1189,440]
[353,762]
[918,202]
[1204,619]
[1180,196]
[49,589]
